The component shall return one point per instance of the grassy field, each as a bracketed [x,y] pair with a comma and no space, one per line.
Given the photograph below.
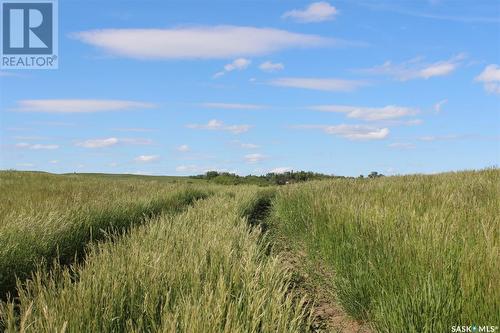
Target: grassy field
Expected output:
[407,254]
[97,253]
[45,217]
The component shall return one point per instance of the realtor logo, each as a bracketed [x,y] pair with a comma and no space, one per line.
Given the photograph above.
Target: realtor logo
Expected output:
[29,34]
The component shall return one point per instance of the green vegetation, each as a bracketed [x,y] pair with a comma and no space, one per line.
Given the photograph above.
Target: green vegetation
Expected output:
[200,271]
[45,217]
[226,178]
[408,254]
[112,253]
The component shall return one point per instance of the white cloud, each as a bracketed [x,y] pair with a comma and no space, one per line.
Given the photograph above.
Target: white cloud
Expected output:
[329,84]
[36,146]
[39,146]
[136,141]
[78,105]
[249,146]
[254,158]
[217,125]
[369,113]
[232,106]
[402,145]
[183,148]
[416,68]
[315,12]
[98,143]
[280,170]
[237,129]
[351,132]
[490,77]
[358,132]
[489,74]
[107,142]
[54,161]
[410,122]
[269,66]
[213,124]
[147,158]
[237,64]
[439,105]
[437,69]
[200,42]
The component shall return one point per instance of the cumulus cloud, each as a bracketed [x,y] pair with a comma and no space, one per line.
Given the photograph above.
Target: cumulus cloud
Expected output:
[237,64]
[369,113]
[416,68]
[315,12]
[78,105]
[232,106]
[107,142]
[254,158]
[217,125]
[351,132]
[135,141]
[439,105]
[358,132]
[280,170]
[269,66]
[410,122]
[328,84]
[490,77]
[147,158]
[98,143]
[183,148]
[200,42]
[36,146]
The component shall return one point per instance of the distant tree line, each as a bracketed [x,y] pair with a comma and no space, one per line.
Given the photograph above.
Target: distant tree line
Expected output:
[373,174]
[289,177]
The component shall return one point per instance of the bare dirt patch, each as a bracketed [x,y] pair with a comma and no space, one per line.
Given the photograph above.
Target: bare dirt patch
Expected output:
[315,283]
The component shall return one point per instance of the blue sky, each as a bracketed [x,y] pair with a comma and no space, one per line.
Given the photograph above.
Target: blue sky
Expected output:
[182,87]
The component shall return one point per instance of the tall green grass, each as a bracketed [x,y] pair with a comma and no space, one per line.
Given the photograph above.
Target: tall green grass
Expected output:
[409,254]
[45,217]
[203,270]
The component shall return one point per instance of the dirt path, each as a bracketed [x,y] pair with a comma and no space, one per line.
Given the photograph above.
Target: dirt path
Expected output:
[328,315]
